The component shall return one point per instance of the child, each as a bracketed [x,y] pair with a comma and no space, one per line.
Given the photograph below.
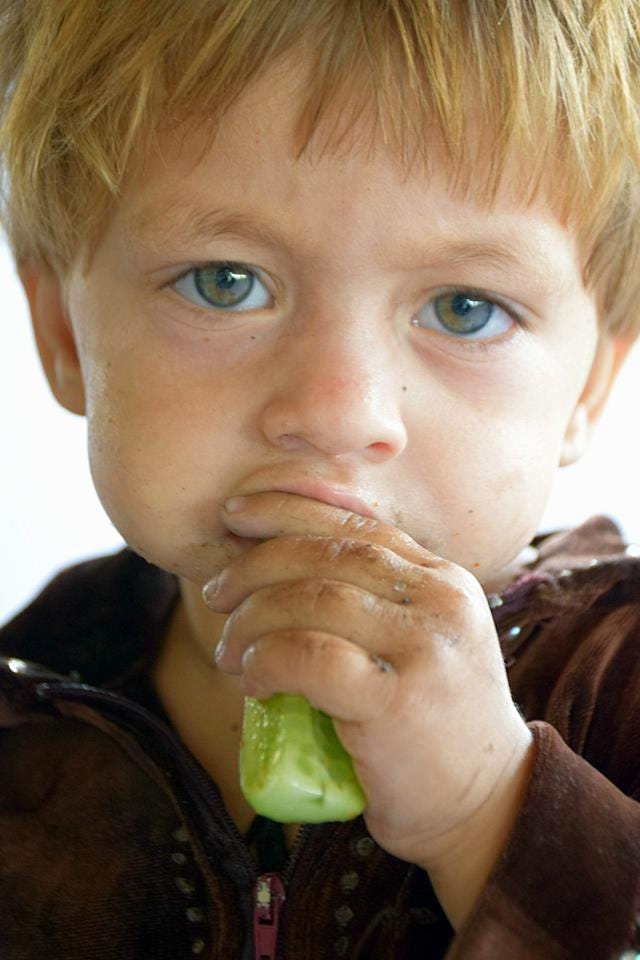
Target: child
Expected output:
[337,286]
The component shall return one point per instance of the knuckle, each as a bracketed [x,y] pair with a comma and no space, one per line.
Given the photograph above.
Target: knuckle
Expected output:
[318,593]
[459,585]
[354,523]
[290,595]
[469,586]
[462,592]
[364,550]
[315,651]
[413,620]
[465,602]
[332,549]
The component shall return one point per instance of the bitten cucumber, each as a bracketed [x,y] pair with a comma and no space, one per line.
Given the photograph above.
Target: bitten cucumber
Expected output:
[293,768]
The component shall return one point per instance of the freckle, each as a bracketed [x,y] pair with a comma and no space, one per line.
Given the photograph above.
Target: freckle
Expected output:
[469,511]
[476,564]
[206,339]
[489,748]
[253,338]
[235,727]
[404,388]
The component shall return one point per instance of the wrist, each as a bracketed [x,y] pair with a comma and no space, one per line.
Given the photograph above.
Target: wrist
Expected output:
[468,854]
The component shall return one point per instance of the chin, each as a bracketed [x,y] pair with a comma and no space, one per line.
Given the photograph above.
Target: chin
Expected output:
[197,562]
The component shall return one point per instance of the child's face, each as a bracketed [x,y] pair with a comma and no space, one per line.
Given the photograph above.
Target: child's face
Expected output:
[325,377]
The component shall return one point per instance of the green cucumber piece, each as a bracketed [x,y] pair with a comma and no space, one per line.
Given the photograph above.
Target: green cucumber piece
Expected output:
[293,768]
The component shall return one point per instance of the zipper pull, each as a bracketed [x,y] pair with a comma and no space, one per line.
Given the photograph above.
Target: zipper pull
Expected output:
[269,896]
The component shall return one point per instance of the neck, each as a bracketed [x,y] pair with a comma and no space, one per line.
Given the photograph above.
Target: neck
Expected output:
[204,705]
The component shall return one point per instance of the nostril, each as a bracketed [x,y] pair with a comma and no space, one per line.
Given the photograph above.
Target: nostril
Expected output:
[380,450]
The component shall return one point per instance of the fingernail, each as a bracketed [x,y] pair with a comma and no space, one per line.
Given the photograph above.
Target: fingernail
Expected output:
[219,651]
[246,656]
[235,504]
[211,590]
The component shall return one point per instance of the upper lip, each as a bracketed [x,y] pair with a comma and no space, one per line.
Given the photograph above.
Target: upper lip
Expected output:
[318,490]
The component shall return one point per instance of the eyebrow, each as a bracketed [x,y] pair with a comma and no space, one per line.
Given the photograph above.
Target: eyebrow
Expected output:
[199,226]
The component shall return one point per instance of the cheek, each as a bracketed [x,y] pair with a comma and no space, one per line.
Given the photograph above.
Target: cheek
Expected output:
[160,446]
[485,479]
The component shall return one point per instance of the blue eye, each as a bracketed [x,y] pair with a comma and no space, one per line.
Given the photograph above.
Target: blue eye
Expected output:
[465,314]
[223,286]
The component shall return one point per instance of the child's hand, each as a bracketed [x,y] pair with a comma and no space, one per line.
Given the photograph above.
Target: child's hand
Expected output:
[399,647]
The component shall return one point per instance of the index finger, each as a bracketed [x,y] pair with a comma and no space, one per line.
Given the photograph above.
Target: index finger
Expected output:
[272,514]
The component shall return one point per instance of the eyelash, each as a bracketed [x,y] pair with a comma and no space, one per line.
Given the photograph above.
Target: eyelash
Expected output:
[475,345]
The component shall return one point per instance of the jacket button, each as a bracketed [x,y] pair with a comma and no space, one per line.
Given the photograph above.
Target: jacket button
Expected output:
[349,881]
[184,886]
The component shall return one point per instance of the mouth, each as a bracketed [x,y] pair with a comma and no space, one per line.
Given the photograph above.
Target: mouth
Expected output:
[313,490]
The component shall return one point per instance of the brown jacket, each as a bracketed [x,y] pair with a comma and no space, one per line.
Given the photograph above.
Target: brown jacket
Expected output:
[115,844]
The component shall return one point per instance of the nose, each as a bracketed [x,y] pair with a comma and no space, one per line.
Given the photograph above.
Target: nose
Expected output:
[335,393]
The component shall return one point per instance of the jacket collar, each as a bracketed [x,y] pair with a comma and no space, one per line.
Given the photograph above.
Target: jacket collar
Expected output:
[572,570]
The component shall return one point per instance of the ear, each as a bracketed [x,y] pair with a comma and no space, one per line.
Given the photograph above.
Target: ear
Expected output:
[609,357]
[53,334]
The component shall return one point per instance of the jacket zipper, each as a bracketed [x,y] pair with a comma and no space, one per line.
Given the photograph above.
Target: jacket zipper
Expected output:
[269,897]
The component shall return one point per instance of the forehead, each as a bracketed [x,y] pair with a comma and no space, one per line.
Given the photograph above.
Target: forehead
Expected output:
[247,178]
[271,123]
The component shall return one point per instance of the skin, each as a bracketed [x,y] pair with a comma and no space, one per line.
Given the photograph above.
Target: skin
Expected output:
[453,444]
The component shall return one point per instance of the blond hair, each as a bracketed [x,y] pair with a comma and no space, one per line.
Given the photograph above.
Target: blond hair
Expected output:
[84,85]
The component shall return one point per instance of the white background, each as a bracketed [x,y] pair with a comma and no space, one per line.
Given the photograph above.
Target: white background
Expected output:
[50,515]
